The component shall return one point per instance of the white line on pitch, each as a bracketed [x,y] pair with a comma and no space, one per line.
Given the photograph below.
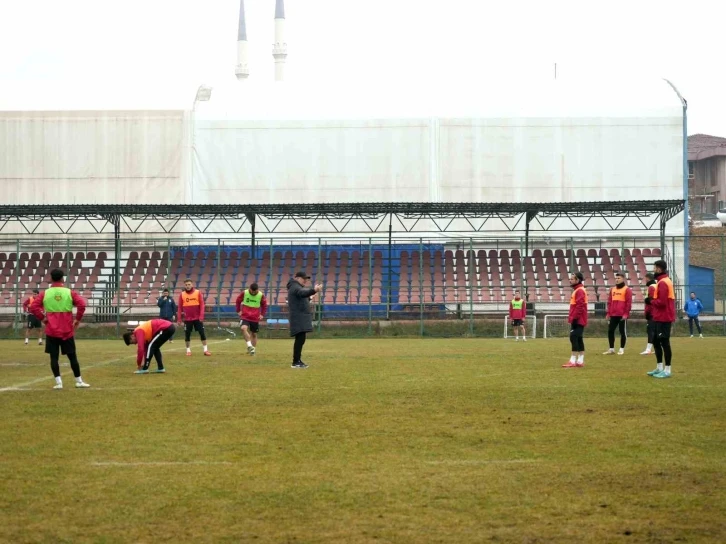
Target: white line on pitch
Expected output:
[481,461]
[19,386]
[156,463]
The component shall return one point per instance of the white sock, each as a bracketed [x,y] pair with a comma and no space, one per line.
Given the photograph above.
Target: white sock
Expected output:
[649,347]
[581,359]
[660,366]
[79,380]
[249,343]
[59,381]
[189,350]
[668,370]
[573,358]
[26,340]
[205,349]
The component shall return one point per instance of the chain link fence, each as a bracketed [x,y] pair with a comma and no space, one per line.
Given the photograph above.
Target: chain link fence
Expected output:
[453,287]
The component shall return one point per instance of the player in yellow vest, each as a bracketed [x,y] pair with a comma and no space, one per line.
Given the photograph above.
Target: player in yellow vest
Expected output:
[251,306]
[518,313]
[54,308]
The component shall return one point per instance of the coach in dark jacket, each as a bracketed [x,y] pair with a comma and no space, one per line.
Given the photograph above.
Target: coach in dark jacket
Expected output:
[301,316]
[167,306]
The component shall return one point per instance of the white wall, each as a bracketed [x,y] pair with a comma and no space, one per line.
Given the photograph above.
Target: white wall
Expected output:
[94,157]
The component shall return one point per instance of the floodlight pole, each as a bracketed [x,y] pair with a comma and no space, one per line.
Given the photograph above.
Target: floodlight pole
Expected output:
[686,234]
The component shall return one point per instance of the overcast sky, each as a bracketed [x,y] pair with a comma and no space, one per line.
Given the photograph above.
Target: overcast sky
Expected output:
[154,53]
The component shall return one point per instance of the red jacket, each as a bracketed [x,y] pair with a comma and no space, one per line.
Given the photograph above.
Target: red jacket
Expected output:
[650,293]
[663,304]
[144,333]
[620,302]
[517,313]
[191,304]
[253,315]
[58,324]
[26,304]
[578,305]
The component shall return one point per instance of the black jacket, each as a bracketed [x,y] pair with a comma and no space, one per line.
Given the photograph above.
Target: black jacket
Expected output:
[167,308]
[298,304]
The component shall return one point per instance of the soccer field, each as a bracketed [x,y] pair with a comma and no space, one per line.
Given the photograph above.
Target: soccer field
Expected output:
[395,440]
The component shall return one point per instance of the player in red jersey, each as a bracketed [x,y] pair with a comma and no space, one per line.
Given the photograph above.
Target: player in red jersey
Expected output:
[149,337]
[191,307]
[33,322]
[578,321]
[518,313]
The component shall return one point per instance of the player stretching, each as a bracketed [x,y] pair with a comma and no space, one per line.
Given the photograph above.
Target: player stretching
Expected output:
[149,337]
[649,295]
[33,322]
[251,307]
[578,321]
[620,301]
[191,306]
[663,306]
[518,313]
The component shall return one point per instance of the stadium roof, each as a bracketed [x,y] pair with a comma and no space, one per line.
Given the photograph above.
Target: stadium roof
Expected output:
[147,218]
[703,146]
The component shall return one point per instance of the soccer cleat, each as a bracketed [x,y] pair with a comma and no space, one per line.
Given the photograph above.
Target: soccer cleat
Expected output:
[621,352]
[207,354]
[571,365]
[691,336]
[58,386]
[299,364]
[82,384]
[662,374]
[700,336]
[524,339]
[654,372]
[251,350]
[158,371]
[646,352]
[189,353]
[516,339]
[141,371]
[609,352]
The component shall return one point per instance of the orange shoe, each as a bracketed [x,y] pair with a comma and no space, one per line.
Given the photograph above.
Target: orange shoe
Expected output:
[571,365]
[207,354]
[189,353]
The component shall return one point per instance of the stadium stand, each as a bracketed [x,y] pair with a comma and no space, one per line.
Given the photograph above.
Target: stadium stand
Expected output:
[351,276]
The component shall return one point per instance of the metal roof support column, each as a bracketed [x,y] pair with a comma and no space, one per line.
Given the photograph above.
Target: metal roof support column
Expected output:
[390,265]
[251,218]
[116,220]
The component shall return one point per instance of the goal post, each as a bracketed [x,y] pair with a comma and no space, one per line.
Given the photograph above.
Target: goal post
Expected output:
[556,326]
[530,325]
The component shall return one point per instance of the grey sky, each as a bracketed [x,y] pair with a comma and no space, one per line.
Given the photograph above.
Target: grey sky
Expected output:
[154,53]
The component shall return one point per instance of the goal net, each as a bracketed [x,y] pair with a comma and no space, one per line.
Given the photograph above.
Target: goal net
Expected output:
[530,324]
[556,326]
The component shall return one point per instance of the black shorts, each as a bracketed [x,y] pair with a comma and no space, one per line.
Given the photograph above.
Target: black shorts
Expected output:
[198,326]
[662,330]
[55,345]
[517,322]
[34,322]
[253,326]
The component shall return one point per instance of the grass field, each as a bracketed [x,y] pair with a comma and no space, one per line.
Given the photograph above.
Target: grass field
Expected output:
[389,440]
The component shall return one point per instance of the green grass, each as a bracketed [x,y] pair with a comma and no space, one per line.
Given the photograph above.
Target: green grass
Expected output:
[380,440]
